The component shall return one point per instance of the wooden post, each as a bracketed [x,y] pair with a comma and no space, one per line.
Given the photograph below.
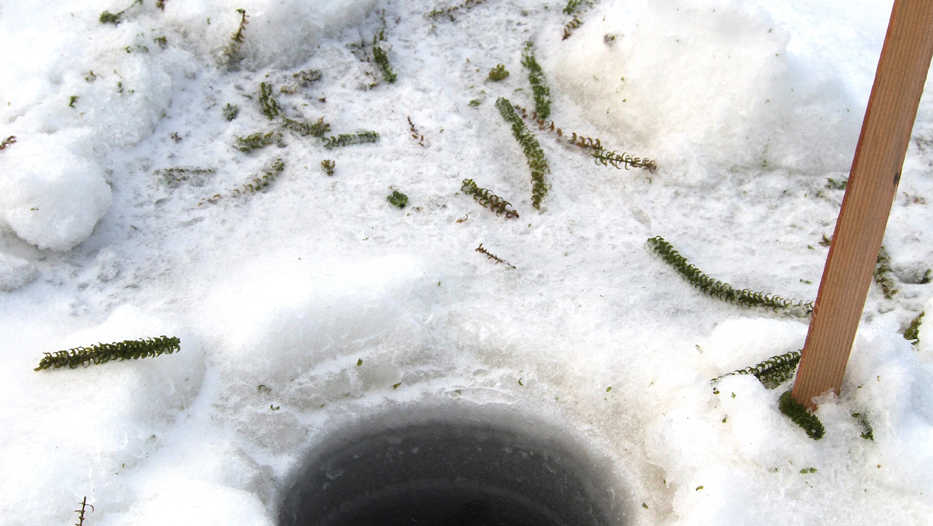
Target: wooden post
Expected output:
[872,186]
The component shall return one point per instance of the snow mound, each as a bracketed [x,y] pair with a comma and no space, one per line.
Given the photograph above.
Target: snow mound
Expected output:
[49,196]
[709,77]
[15,272]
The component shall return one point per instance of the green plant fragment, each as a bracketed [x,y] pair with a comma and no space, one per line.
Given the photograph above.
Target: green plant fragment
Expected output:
[542,94]
[231,111]
[397,198]
[382,60]
[328,166]
[105,352]
[912,332]
[258,140]
[722,290]
[347,139]
[115,18]
[882,274]
[270,107]
[498,73]
[488,199]
[867,432]
[537,163]
[800,416]
[772,372]
[305,128]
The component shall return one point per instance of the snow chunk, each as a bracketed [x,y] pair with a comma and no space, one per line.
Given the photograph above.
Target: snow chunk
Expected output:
[15,272]
[49,196]
[179,500]
[694,83]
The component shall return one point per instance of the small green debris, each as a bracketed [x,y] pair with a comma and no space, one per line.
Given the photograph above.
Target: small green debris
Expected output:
[8,141]
[270,107]
[396,386]
[397,198]
[912,332]
[927,277]
[475,103]
[867,432]
[608,389]
[520,382]
[800,416]
[382,60]
[882,274]
[482,250]
[644,505]
[161,41]
[258,140]
[174,177]
[498,73]
[260,182]
[328,166]
[833,184]
[699,488]
[359,362]
[115,18]
[488,199]
[449,11]
[347,139]
[807,471]
[274,407]
[262,388]
[232,55]
[772,372]
[90,77]
[825,241]
[72,101]
[231,111]
[307,77]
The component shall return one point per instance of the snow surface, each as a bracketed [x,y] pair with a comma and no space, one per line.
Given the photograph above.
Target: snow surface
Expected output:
[748,107]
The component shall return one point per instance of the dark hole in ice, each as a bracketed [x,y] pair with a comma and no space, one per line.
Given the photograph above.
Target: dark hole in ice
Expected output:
[449,469]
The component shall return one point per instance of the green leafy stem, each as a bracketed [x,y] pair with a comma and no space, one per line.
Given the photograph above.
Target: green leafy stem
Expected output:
[488,199]
[772,372]
[724,291]
[105,352]
[537,163]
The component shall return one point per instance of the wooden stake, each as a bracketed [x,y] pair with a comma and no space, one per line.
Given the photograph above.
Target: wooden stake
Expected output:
[872,186]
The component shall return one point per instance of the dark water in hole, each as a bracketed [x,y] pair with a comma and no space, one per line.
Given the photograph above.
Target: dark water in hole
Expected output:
[447,471]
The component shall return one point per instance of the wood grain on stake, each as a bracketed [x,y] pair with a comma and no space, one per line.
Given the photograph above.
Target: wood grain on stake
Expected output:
[872,186]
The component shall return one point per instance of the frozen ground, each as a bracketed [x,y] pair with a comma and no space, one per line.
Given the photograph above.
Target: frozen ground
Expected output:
[748,108]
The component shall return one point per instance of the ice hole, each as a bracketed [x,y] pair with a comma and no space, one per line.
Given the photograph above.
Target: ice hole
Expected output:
[450,467]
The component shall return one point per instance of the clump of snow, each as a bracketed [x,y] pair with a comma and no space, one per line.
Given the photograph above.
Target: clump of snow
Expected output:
[706,83]
[49,195]
[15,272]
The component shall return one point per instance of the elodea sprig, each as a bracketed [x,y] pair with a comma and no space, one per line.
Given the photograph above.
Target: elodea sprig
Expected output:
[488,199]
[772,372]
[573,8]
[173,177]
[722,290]
[305,128]
[8,141]
[382,60]
[800,416]
[270,107]
[540,89]
[882,274]
[530,147]
[255,141]
[602,155]
[114,18]
[912,332]
[498,73]
[262,181]
[105,352]
[328,166]
[347,139]
[232,53]
[449,11]
[497,259]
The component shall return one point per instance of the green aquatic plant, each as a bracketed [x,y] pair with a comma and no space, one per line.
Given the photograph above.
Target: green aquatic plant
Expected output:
[397,199]
[912,332]
[482,250]
[542,94]
[800,416]
[449,11]
[867,432]
[258,140]
[231,111]
[73,100]
[7,142]
[115,18]
[270,107]
[347,139]
[305,128]
[772,372]
[414,133]
[488,199]
[105,352]
[537,163]
[232,53]
[173,177]
[262,181]
[328,166]
[498,73]
[882,274]
[81,511]
[594,146]
[724,291]
[382,60]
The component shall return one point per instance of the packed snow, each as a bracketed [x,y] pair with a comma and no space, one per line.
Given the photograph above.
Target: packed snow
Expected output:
[315,300]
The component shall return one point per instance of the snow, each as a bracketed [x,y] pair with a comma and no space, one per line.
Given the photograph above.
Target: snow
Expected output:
[748,108]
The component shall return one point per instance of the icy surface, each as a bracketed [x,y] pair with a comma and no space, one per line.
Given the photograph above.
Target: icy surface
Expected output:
[125,213]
